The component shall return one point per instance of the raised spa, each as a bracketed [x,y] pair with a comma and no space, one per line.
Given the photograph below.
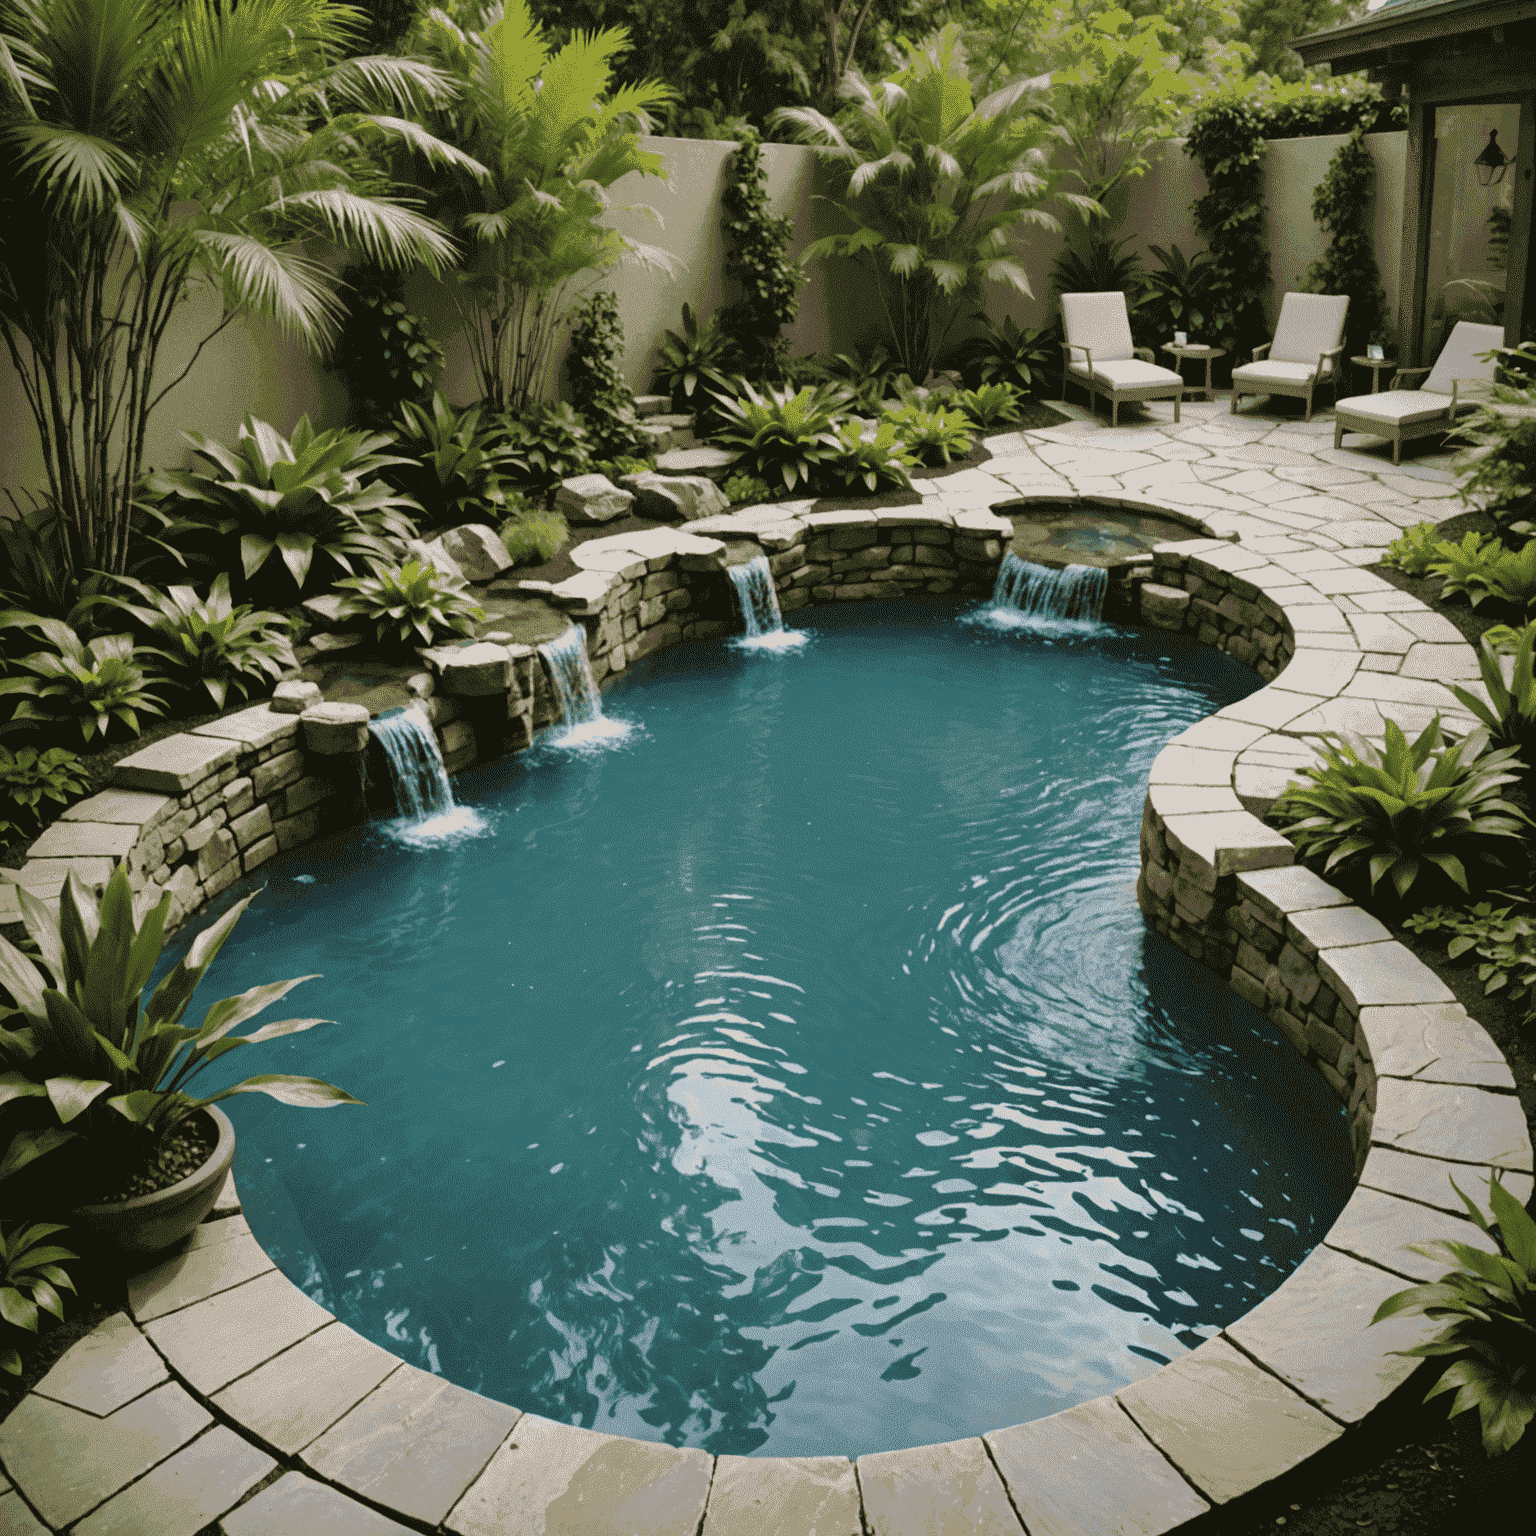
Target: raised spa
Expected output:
[796,1074]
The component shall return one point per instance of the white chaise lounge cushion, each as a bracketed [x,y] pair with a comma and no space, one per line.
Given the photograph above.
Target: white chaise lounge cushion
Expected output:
[1309,325]
[1459,357]
[1125,373]
[1400,406]
[1099,321]
[1252,375]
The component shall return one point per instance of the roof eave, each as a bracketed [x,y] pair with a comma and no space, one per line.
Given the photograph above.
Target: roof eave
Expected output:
[1361,44]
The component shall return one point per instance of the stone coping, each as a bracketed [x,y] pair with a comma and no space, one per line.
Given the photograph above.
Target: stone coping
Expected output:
[225,1378]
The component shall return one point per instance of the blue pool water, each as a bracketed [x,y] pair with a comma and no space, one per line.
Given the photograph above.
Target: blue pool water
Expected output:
[796,1076]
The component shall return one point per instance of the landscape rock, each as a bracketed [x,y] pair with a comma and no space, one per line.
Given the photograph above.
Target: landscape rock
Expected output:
[591,499]
[675,498]
[294,698]
[714,462]
[1163,606]
[330,729]
[477,551]
[477,671]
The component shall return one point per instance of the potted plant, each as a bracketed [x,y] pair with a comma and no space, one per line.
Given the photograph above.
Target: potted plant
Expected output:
[1488,1306]
[88,1066]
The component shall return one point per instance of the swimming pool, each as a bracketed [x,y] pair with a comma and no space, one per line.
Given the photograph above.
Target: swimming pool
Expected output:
[797,1076]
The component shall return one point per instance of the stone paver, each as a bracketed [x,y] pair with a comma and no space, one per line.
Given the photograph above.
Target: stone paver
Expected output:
[1468,1125]
[783,1496]
[950,1489]
[1428,1180]
[295,1503]
[204,1268]
[1381,1228]
[174,764]
[110,1366]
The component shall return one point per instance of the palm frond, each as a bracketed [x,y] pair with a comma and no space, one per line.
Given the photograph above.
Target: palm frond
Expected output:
[81,173]
[389,234]
[434,150]
[282,285]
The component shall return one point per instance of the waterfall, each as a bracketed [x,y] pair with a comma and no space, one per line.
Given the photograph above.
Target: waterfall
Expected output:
[582,722]
[1037,594]
[423,796]
[762,624]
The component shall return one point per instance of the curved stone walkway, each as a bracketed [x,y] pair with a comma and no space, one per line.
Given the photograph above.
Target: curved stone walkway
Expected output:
[226,1395]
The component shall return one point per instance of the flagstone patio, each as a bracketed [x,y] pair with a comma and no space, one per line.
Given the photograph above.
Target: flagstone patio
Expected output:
[225,1396]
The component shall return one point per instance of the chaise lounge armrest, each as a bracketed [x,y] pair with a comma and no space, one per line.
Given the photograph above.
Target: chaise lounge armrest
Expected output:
[1145,354]
[1328,361]
[1261,354]
[1404,373]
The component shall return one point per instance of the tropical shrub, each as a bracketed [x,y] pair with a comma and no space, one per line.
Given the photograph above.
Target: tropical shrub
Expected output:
[625,464]
[1509,712]
[878,461]
[1502,476]
[598,388]
[149,149]
[27,778]
[534,536]
[993,405]
[210,643]
[1342,205]
[757,268]
[1512,577]
[35,571]
[1503,639]
[83,1056]
[451,463]
[698,354]
[1005,353]
[935,436]
[1103,267]
[96,684]
[1487,1306]
[410,604]
[319,493]
[783,434]
[384,355]
[1504,939]
[1392,811]
[1173,295]
[31,1277]
[1479,570]
[1415,549]
[545,444]
[868,375]
[932,184]
[542,135]
[743,490]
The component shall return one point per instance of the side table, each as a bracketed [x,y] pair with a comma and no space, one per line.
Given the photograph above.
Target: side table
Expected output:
[1195,350]
[1375,364]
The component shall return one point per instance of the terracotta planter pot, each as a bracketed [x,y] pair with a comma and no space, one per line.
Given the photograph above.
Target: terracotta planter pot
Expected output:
[149,1223]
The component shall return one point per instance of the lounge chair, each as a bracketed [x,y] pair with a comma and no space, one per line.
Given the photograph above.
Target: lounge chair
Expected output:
[1309,337]
[1099,355]
[1399,413]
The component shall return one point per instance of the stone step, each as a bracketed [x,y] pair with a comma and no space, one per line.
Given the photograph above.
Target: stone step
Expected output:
[651,405]
[669,432]
[714,462]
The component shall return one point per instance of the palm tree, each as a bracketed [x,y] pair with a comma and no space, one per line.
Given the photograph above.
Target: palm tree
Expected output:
[146,147]
[933,184]
[556,138]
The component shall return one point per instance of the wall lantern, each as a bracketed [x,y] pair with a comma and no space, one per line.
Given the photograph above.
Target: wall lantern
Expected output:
[1493,162]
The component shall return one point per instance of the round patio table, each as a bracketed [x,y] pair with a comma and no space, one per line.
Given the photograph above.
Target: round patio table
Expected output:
[1196,350]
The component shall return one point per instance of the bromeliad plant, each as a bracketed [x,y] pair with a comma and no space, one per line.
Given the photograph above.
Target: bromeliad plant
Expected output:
[93,683]
[452,465]
[29,777]
[83,1056]
[878,460]
[211,643]
[1487,1305]
[934,436]
[31,1277]
[992,405]
[1005,353]
[698,354]
[410,604]
[1467,568]
[1397,809]
[318,493]
[785,434]
[1509,712]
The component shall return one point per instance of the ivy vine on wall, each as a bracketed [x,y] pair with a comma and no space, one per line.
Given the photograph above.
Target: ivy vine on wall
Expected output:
[384,355]
[598,388]
[1342,205]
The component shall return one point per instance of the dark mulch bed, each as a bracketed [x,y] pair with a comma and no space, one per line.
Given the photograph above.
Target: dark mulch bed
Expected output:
[1472,622]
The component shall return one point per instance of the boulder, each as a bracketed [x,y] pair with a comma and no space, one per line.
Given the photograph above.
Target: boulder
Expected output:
[293,698]
[675,498]
[716,463]
[331,729]
[669,431]
[591,499]
[476,671]
[434,554]
[477,551]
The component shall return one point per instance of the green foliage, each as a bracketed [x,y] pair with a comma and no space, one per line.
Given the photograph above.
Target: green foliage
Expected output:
[147,149]
[211,643]
[541,134]
[784,434]
[1480,570]
[29,777]
[598,389]
[1415,549]
[1005,353]
[869,375]
[1226,140]
[385,356]
[1504,939]
[1174,295]
[935,436]
[1503,639]
[96,684]
[878,461]
[758,268]
[318,493]
[698,354]
[1304,109]
[993,405]
[544,445]
[933,183]
[31,1277]
[408,605]
[743,490]
[82,1054]
[1104,267]
[1342,206]
[1396,809]
[1510,709]
[1499,473]
[534,536]
[452,464]
[1487,1305]
[35,572]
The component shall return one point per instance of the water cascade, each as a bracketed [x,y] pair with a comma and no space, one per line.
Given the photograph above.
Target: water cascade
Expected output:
[1039,593]
[423,795]
[582,722]
[762,623]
